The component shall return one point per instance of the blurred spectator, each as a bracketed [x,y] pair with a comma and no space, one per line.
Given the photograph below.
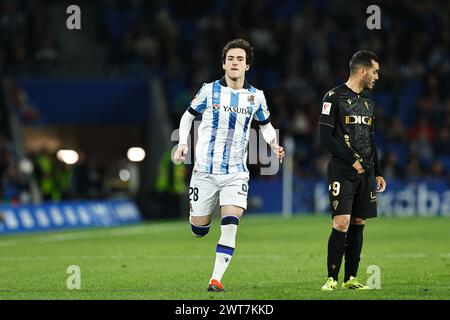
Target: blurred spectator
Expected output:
[422,147]
[25,38]
[44,170]
[442,142]
[438,170]
[14,183]
[396,131]
[413,169]
[171,186]
[423,130]
[87,179]
[391,167]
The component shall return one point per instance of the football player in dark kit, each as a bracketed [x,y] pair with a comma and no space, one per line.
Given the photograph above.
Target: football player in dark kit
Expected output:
[346,131]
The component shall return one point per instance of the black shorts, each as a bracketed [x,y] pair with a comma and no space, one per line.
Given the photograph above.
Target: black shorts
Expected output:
[350,192]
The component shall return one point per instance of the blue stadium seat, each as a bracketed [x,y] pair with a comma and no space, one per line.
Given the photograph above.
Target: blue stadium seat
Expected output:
[384,101]
[379,139]
[445,161]
[285,10]
[114,24]
[117,22]
[407,102]
[271,78]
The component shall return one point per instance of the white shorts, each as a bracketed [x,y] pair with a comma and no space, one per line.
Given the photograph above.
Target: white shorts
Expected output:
[207,190]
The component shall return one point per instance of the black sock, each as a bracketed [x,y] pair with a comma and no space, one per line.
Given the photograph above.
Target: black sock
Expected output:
[336,249]
[353,250]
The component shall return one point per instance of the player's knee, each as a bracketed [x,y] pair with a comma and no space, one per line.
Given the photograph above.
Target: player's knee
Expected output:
[200,231]
[341,227]
[341,224]
[227,220]
[199,227]
[355,220]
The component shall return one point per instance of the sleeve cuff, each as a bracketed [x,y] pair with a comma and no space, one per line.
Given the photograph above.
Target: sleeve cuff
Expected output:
[261,123]
[193,111]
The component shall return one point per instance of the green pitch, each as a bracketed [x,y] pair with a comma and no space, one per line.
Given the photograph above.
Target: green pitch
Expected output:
[275,258]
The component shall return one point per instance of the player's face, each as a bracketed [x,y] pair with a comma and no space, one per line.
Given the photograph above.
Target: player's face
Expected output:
[371,75]
[235,64]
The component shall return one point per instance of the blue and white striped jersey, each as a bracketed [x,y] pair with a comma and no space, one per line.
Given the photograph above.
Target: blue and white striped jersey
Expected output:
[225,128]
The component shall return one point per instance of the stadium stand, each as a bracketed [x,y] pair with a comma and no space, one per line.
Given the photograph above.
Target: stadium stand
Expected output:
[302,49]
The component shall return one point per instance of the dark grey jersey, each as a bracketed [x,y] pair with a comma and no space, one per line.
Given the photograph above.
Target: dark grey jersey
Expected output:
[351,115]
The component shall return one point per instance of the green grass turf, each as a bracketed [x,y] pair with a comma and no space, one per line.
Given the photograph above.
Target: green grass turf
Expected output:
[275,258]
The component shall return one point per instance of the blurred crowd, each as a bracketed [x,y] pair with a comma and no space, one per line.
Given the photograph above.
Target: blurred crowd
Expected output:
[33,176]
[302,49]
[56,180]
[26,44]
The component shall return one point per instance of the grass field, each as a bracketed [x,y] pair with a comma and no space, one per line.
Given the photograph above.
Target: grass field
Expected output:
[275,258]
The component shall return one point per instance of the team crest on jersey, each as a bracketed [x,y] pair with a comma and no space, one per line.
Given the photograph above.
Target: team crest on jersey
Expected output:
[335,204]
[326,108]
[216,106]
[251,99]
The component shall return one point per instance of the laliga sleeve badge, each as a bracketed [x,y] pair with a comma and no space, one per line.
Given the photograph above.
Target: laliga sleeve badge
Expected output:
[326,108]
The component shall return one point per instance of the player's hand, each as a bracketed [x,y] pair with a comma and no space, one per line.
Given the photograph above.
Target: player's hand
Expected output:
[358,167]
[278,150]
[381,184]
[180,153]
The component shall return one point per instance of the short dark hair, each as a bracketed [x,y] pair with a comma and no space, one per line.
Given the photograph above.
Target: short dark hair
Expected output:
[241,44]
[362,58]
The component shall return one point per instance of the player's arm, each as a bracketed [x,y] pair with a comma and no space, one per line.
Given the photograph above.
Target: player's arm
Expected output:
[184,130]
[327,122]
[381,182]
[270,136]
[262,117]
[197,106]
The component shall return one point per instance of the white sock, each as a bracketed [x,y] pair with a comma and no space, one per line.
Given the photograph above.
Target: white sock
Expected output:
[225,246]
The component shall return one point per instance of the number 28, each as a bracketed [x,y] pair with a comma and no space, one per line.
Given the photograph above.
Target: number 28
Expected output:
[194,193]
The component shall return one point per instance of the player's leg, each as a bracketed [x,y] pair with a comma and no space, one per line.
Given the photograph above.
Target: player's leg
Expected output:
[353,249]
[364,207]
[341,191]
[233,202]
[336,244]
[230,217]
[354,242]
[200,225]
[203,196]
[336,250]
